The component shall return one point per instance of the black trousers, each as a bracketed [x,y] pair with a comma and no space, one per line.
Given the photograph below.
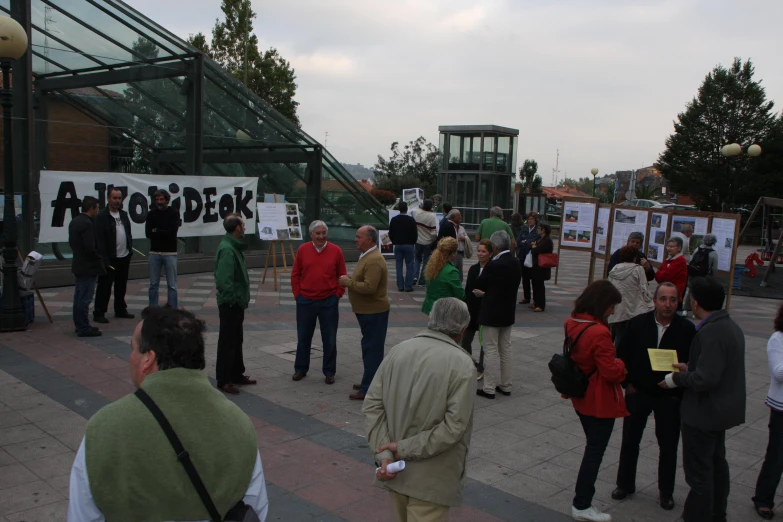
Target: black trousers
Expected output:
[539,293]
[667,430]
[707,474]
[119,279]
[467,344]
[772,469]
[230,364]
[597,432]
[526,282]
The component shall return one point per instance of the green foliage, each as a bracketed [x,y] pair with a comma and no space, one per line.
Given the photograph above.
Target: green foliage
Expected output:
[384,197]
[583,184]
[646,192]
[531,182]
[235,48]
[416,166]
[730,107]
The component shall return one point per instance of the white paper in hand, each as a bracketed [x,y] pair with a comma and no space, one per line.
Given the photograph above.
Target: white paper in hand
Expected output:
[394,467]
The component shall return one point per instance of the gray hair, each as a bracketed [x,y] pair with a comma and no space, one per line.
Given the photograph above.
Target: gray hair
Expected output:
[438,197]
[667,284]
[709,240]
[500,240]
[636,235]
[676,240]
[452,214]
[496,211]
[315,224]
[686,228]
[372,233]
[450,316]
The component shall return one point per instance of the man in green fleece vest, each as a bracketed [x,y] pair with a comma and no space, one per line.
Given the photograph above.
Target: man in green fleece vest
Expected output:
[126,468]
[233,297]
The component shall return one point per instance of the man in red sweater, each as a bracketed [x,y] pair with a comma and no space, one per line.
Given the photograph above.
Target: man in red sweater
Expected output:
[318,266]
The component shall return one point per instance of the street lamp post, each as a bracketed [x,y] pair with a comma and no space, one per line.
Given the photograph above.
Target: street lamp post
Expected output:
[13,45]
[594,172]
[732,150]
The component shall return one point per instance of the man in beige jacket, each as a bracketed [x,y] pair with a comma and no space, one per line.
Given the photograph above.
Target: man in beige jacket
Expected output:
[420,409]
[367,291]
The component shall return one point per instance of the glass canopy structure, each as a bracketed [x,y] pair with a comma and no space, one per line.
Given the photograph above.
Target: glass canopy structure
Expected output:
[104,88]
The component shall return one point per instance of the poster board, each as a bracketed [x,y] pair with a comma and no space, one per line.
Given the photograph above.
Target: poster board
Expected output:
[725,229]
[413,197]
[578,221]
[602,227]
[700,224]
[659,233]
[274,198]
[279,222]
[626,220]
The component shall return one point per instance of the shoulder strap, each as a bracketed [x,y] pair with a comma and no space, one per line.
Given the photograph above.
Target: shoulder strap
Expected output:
[182,454]
[583,331]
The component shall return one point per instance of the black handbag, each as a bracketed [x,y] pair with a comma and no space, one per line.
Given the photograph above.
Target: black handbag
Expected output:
[566,375]
[241,512]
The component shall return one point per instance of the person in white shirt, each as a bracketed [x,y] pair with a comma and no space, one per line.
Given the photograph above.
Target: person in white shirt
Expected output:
[426,225]
[115,245]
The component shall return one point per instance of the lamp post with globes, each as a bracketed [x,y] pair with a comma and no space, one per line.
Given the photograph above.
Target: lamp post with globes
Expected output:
[594,172]
[732,150]
[13,45]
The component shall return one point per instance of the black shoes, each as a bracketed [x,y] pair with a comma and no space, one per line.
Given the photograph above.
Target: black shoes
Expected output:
[124,315]
[100,319]
[507,394]
[90,333]
[667,502]
[621,494]
[484,394]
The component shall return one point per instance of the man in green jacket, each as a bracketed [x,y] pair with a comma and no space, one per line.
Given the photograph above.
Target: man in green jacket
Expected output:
[233,297]
[419,408]
[126,469]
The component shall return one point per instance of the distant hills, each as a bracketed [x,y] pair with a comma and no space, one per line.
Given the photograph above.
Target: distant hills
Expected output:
[358,171]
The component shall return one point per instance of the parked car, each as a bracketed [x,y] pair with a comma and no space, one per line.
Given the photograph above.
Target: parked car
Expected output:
[675,206]
[645,203]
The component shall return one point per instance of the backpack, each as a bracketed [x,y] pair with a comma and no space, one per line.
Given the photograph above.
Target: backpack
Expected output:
[566,375]
[700,263]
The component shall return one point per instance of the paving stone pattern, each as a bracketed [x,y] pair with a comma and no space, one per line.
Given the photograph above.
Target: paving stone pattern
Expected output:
[525,451]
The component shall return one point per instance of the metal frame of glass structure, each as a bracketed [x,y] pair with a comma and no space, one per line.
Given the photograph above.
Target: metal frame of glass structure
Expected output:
[168,109]
[478,169]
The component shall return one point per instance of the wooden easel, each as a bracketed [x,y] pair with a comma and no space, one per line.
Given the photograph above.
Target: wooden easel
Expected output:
[272,252]
[35,287]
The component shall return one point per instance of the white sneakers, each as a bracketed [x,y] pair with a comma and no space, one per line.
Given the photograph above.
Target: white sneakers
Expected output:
[590,514]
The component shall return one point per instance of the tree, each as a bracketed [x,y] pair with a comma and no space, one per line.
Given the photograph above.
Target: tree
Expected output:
[416,166]
[384,197]
[531,182]
[583,184]
[235,48]
[730,107]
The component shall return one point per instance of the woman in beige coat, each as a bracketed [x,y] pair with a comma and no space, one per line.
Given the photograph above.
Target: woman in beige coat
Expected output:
[630,279]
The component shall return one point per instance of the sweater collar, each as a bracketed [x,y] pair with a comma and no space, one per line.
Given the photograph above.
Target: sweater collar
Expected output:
[714,316]
[239,245]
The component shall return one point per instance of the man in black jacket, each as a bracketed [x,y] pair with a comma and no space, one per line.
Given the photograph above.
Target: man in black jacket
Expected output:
[113,232]
[660,328]
[713,401]
[161,228]
[635,239]
[498,284]
[404,234]
[86,265]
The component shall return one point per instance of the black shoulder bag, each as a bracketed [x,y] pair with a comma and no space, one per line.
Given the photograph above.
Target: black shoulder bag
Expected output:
[566,375]
[241,512]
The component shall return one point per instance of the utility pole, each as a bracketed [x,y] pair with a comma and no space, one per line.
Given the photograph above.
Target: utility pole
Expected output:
[326,138]
[556,170]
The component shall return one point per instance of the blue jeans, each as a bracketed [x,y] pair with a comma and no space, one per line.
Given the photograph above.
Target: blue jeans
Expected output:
[404,253]
[169,264]
[373,328]
[82,297]
[422,255]
[328,315]
[597,432]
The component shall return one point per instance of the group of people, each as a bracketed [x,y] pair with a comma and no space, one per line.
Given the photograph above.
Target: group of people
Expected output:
[102,247]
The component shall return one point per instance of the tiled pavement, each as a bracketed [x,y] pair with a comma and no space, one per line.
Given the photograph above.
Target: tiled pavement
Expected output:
[525,448]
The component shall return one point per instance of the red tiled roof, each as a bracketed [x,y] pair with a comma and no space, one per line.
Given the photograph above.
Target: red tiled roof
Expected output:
[554,192]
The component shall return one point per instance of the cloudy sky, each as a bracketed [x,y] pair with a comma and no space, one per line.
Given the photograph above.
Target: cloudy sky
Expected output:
[601,80]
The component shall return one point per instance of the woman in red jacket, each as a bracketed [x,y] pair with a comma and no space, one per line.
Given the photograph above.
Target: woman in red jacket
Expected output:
[603,402]
[674,268]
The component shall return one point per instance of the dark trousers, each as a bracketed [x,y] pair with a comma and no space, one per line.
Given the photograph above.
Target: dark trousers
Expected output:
[707,474]
[771,470]
[373,328]
[118,277]
[467,344]
[618,329]
[597,432]
[404,253]
[82,297]
[421,256]
[526,282]
[667,430]
[230,364]
[539,293]
[328,315]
